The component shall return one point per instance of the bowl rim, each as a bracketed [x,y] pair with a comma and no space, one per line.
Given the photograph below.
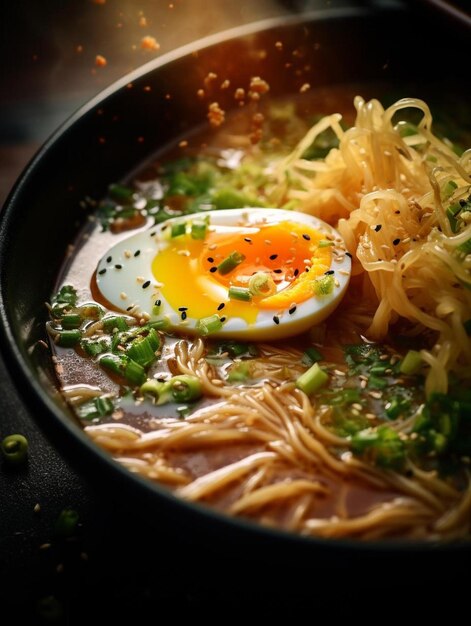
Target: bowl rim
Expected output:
[37,400]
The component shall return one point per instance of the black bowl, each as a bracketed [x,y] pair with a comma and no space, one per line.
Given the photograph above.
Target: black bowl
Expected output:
[120,128]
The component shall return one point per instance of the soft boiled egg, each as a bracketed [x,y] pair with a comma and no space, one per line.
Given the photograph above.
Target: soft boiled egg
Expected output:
[244,273]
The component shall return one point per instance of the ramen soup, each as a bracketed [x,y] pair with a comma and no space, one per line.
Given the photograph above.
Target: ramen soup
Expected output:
[272,318]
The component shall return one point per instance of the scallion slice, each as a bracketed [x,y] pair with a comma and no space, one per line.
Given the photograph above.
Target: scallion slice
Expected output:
[186,388]
[71,321]
[324,285]
[208,325]
[160,392]
[114,323]
[178,229]
[67,338]
[240,293]
[230,262]
[411,363]
[198,230]
[311,356]
[262,284]
[141,351]
[312,380]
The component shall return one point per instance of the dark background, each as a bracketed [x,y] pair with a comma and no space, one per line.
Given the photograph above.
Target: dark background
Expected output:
[115,566]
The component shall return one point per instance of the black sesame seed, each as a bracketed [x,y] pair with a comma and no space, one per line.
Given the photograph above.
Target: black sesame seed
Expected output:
[306,269]
[329,272]
[137,253]
[210,259]
[348,254]
[164,227]
[184,315]
[378,227]
[306,237]
[247,239]
[213,269]
[158,302]
[103,271]
[152,233]
[292,310]
[278,271]
[273,257]
[396,241]
[223,319]
[276,319]
[183,308]
[130,308]
[119,267]
[397,212]
[109,259]
[146,284]
[296,272]
[221,306]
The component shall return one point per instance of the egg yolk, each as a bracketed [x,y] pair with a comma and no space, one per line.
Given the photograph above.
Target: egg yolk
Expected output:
[288,252]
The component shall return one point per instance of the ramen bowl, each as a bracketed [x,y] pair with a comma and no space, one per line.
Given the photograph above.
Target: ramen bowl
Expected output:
[121,129]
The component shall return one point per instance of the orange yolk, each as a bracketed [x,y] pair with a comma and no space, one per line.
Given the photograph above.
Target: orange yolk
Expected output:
[287,251]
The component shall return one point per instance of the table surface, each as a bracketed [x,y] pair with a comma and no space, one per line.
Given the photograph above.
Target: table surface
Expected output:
[43,576]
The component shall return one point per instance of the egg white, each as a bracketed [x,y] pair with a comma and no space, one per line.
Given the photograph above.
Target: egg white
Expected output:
[125,279]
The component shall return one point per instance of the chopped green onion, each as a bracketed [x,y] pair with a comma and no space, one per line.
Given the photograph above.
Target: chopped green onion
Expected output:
[114,323]
[160,391]
[66,523]
[67,338]
[448,189]
[141,351]
[240,372]
[262,284]
[407,129]
[240,293]
[377,382]
[90,311]
[153,339]
[382,446]
[186,388]
[66,295]
[230,262]
[323,285]
[71,321]
[411,363]
[161,324]
[178,229]
[14,449]
[120,193]
[98,407]
[207,325]
[311,356]
[325,243]
[229,198]
[341,397]
[134,372]
[198,230]
[236,349]
[124,366]
[452,213]
[465,247]
[312,379]
[380,369]
[94,348]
